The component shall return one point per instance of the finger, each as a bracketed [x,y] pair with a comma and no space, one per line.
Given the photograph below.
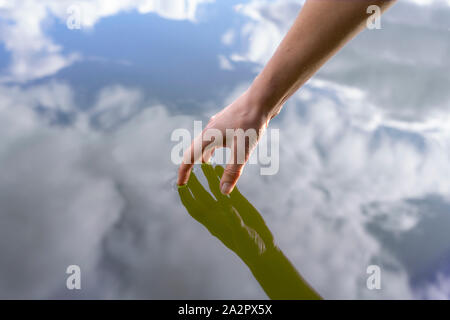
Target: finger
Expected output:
[213,180]
[190,157]
[207,154]
[238,200]
[189,203]
[200,194]
[247,211]
[219,171]
[251,216]
[234,168]
[186,197]
[216,139]
[234,219]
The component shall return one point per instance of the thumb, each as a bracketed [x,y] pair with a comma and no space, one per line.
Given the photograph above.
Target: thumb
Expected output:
[230,177]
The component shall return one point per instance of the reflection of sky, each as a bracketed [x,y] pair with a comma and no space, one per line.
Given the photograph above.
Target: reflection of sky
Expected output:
[86,117]
[4,58]
[173,61]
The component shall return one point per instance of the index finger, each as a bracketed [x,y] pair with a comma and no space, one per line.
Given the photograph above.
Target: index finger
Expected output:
[190,156]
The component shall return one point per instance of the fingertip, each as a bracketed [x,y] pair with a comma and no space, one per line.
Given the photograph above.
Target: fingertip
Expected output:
[182,182]
[183,174]
[183,192]
[226,188]
[206,164]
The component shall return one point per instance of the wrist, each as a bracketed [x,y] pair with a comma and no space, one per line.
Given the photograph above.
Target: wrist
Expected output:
[263,97]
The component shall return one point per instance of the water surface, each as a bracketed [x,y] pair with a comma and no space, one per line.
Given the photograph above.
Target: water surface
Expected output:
[86,117]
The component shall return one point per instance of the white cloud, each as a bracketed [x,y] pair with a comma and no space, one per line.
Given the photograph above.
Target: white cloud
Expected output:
[403,67]
[228,37]
[98,191]
[337,179]
[115,104]
[269,21]
[224,63]
[35,55]
[104,199]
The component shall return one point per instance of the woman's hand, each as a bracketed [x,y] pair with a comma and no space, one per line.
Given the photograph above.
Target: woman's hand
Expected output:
[233,220]
[240,227]
[239,127]
[318,32]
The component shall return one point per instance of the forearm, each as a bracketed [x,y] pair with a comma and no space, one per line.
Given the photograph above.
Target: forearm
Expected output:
[319,31]
[278,277]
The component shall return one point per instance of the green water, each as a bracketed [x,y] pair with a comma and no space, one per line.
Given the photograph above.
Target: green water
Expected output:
[239,226]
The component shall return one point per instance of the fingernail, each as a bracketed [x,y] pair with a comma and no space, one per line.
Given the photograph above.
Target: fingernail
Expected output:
[226,188]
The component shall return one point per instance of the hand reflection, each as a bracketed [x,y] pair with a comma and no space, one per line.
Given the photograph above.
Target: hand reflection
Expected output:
[240,227]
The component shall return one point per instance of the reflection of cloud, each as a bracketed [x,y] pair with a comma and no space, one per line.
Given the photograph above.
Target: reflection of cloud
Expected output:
[102,199]
[95,191]
[368,138]
[115,105]
[404,67]
[93,11]
[349,177]
[438,290]
[269,21]
[224,63]
[34,55]
[54,213]
[50,217]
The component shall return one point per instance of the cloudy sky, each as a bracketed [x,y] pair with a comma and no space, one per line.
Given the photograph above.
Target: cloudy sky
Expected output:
[86,117]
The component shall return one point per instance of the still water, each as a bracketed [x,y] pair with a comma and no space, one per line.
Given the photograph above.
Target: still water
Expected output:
[91,93]
[240,227]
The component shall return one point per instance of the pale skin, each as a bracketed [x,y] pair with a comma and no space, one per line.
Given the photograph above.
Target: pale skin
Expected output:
[321,28]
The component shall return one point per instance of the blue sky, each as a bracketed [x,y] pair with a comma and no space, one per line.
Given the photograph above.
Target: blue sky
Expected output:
[86,117]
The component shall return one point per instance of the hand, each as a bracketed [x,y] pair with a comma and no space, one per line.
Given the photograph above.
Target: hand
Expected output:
[233,220]
[240,227]
[222,131]
[304,49]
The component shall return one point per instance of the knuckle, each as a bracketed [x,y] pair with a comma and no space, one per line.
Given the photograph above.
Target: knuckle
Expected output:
[233,171]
